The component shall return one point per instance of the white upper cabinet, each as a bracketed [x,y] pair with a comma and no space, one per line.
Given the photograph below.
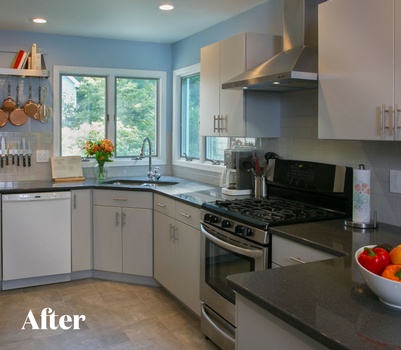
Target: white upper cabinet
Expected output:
[360,69]
[226,112]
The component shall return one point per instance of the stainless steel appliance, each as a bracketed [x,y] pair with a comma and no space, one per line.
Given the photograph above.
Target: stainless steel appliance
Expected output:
[296,67]
[236,180]
[235,233]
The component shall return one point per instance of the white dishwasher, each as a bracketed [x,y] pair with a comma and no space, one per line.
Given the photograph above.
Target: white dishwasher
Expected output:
[36,233]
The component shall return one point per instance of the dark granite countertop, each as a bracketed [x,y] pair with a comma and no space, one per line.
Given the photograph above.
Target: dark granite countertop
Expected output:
[188,191]
[327,300]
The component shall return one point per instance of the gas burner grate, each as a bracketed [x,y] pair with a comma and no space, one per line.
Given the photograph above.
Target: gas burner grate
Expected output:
[274,210]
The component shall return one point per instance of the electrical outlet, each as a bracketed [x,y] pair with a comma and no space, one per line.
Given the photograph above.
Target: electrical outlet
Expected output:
[42,156]
[395,181]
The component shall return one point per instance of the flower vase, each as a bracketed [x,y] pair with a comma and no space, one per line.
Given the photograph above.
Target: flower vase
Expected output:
[101,170]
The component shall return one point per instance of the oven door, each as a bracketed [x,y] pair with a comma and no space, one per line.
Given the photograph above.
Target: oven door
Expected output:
[223,254]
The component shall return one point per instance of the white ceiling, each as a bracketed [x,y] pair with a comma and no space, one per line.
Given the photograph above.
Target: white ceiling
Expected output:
[139,20]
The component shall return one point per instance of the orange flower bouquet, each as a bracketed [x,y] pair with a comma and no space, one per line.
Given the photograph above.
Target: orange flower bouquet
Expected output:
[103,151]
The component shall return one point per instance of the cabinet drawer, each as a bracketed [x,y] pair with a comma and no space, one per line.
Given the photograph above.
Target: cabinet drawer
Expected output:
[187,214]
[286,252]
[129,199]
[164,205]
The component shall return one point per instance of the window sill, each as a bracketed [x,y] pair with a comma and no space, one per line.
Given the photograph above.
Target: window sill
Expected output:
[196,164]
[125,162]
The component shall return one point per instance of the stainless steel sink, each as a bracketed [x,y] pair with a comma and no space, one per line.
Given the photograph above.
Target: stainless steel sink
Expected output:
[139,182]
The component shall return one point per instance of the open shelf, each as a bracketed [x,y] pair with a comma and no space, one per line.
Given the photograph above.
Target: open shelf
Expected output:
[24,72]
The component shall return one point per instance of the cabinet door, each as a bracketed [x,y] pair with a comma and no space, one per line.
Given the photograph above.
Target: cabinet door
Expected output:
[81,234]
[355,68]
[223,61]
[187,266]
[107,238]
[164,250]
[232,63]
[137,241]
[209,88]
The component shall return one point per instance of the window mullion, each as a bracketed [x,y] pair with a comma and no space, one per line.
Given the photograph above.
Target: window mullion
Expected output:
[111,108]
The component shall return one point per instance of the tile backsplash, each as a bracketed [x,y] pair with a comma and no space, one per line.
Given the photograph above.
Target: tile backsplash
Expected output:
[37,171]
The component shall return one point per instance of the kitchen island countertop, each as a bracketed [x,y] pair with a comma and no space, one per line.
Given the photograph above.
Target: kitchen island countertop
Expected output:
[327,300]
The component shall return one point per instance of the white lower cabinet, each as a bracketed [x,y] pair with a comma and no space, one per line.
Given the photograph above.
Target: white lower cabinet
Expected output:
[123,232]
[259,329]
[81,230]
[286,252]
[177,249]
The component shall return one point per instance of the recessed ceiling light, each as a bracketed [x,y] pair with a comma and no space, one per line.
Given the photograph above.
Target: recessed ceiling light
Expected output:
[38,20]
[166,7]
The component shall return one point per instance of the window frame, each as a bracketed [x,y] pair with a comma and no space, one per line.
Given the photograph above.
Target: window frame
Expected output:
[111,74]
[202,163]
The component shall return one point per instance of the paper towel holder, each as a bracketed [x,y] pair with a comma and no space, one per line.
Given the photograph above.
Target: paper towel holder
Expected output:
[364,225]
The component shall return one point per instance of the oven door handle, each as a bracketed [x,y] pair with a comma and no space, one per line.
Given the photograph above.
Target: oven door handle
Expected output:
[252,253]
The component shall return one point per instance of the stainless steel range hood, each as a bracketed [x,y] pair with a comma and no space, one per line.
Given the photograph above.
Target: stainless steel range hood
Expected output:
[296,67]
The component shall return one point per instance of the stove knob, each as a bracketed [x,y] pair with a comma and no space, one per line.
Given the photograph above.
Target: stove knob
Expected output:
[247,232]
[225,223]
[214,219]
[243,231]
[207,217]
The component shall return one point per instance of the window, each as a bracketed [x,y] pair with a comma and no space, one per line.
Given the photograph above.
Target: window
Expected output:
[83,112]
[122,105]
[190,140]
[215,146]
[136,117]
[203,152]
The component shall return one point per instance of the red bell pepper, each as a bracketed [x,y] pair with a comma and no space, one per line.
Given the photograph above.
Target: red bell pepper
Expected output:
[375,260]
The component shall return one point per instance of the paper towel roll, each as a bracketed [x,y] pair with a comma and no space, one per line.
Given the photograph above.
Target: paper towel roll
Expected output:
[361,196]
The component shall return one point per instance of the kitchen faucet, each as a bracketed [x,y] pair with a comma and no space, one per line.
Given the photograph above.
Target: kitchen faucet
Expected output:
[151,174]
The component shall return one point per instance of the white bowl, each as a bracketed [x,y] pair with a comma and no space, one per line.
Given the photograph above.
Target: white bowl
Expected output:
[388,291]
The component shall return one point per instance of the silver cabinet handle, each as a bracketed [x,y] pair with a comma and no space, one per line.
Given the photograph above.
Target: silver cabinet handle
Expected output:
[216,118]
[298,260]
[384,114]
[175,234]
[171,232]
[396,119]
[120,199]
[117,218]
[185,215]
[75,201]
[161,205]
[123,221]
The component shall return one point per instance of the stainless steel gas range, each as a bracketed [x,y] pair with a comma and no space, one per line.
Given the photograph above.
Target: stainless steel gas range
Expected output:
[235,234]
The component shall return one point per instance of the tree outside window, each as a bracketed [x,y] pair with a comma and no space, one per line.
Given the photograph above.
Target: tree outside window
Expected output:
[84,113]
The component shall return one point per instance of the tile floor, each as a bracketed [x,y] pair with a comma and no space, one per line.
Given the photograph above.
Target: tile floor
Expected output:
[119,316]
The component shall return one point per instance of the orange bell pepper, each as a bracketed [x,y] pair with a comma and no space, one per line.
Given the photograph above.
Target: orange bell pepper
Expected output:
[392,272]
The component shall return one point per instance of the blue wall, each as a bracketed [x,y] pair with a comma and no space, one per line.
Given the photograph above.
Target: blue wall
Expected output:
[265,19]
[91,52]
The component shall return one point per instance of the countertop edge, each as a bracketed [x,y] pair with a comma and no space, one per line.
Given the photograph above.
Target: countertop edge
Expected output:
[283,314]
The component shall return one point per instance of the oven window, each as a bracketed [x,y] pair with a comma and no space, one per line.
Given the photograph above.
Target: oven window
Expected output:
[221,263]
